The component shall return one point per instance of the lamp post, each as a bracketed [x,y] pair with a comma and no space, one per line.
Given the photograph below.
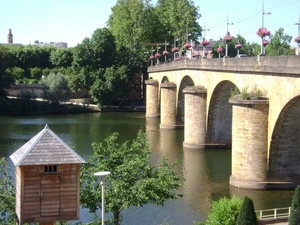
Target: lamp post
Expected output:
[298,42]
[204,46]
[262,52]
[166,50]
[227,23]
[102,176]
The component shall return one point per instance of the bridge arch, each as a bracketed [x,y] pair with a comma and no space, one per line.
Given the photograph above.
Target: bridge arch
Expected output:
[185,82]
[284,150]
[219,120]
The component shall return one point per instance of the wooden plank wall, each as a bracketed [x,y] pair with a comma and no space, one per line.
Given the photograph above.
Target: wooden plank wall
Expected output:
[49,197]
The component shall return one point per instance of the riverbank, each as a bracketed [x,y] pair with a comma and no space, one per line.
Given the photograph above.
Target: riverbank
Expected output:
[21,106]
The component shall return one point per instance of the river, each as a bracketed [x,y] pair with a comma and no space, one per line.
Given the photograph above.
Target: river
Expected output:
[206,172]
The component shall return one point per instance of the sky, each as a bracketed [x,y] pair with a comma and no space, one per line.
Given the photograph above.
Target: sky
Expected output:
[73,20]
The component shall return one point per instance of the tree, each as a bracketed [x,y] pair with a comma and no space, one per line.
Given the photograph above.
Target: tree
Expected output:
[224,211]
[132,182]
[7,196]
[5,78]
[179,19]
[295,210]
[61,57]
[247,215]
[279,44]
[56,87]
[127,21]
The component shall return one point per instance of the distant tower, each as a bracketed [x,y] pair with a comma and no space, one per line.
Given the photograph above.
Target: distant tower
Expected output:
[9,37]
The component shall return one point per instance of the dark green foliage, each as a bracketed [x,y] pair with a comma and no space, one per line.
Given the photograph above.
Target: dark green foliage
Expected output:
[247,215]
[295,210]
[132,182]
[7,195]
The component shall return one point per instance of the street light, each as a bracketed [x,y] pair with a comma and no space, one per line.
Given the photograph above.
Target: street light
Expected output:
[262,52]
[298,23]
[227,23]
[102,176]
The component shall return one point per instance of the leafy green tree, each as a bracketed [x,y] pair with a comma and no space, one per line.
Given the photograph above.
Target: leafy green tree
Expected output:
[127,22]
[247,215]
[16,73]
[132,182]
[5,78]
[224,211]
[61,57]
[56,87]
[295,210]
[112,88]
[36,73]
[7,195]
[179,19]
[279,44]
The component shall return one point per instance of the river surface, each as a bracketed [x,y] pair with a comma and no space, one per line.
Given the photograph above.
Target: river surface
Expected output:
[206,172]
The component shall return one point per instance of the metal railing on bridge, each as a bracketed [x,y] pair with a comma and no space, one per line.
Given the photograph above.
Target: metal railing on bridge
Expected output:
[273,214]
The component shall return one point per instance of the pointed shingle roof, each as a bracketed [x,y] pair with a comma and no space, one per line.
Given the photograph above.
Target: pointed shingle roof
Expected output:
[45,148]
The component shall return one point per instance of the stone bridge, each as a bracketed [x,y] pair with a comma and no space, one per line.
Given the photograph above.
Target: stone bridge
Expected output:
[200,96]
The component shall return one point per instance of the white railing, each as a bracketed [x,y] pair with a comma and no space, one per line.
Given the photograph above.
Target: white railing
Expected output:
[277,213]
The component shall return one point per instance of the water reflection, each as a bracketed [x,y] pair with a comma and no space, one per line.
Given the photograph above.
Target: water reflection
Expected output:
[206,172]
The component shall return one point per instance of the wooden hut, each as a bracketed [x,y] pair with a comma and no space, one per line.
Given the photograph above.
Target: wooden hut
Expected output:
[47,180]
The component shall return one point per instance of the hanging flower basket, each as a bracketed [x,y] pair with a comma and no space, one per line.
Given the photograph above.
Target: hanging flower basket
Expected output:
[206,53]
[227,38]
[187,45]
[194,55]
[177,59]
[205,42]
[220,49]
[263,32]
[238,45]
[175,49]
[297,39]
[165,52]
[265,43]
[152,57]
[157,55]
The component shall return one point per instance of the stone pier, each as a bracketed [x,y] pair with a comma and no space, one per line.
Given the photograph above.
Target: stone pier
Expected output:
[249,143]
[168,106]
[195,117]
[152,103]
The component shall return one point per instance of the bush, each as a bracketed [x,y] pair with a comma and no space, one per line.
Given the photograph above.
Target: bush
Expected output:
[247,215]
[56,87]
[224,211]
[295,210]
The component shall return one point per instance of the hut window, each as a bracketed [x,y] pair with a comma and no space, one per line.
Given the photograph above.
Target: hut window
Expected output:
[50,169]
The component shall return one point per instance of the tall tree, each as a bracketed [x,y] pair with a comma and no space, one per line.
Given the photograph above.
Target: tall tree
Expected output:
[132,182]
[280,44]
[127,21]
[179,19]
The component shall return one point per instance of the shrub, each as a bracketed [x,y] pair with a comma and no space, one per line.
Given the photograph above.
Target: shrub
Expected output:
[247,215]
[295,210]
[224,211]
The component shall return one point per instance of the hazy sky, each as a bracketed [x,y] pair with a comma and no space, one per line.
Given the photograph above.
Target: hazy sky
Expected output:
[73,20]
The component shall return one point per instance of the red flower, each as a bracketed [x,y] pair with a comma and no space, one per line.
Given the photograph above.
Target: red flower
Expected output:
[262,32]
[227,38]
[187,45]
[265,42]
[297,39]
[220,49]
[238,45]
[165,52]
[205,42]
[157,55]
[175,49]
[151,57]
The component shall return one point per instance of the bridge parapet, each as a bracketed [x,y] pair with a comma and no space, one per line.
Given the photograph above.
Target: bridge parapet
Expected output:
[266,64]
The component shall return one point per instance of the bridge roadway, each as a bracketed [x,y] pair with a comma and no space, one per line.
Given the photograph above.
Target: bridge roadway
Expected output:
[263,132]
